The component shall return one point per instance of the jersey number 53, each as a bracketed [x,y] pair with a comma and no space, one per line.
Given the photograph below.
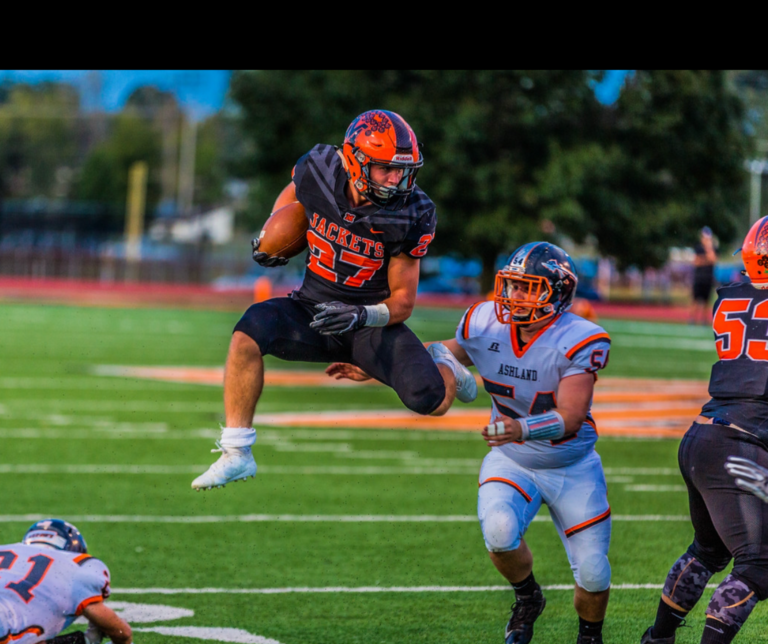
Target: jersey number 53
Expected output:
[731,331]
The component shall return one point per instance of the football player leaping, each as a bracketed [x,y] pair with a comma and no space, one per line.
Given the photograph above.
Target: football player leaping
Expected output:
[722,458]
[369,226]
[539,363]
[47,581]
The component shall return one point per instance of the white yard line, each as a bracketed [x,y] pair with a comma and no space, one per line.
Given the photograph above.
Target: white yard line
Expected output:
[655,488]
[360,589]
[411,466]
[157,431]
[309,518]
[642,471]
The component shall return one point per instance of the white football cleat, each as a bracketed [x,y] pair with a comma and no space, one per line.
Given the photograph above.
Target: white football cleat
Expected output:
[466,385]
[234,464]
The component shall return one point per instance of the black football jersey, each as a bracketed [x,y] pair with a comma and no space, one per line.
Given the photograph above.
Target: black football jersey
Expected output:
[349,248]
[739,380]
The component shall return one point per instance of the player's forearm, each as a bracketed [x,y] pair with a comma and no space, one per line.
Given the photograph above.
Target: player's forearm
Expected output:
[455,348]
[572,419]
[400,306]
[109,623]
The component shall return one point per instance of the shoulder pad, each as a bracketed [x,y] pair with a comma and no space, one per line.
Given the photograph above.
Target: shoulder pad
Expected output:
[477,319]
[574,334]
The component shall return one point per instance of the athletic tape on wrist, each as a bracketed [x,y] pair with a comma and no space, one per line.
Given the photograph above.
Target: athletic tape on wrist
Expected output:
[378,315]
[547,426]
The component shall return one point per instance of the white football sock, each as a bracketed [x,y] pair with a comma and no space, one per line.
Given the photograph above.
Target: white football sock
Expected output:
[238,436]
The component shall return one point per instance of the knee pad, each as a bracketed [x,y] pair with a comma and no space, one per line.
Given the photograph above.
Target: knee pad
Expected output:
[714,559]
[593,572]
[501,528]
[426,399]
[257,322]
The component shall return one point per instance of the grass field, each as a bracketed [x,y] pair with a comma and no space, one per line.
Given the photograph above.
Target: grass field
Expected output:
[346,536]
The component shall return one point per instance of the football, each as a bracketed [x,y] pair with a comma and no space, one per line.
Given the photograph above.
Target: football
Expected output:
[285,232]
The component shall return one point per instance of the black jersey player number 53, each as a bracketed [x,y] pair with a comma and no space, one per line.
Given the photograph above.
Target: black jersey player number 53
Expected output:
[732,330]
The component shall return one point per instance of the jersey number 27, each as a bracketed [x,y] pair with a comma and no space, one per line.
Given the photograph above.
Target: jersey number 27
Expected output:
[322,260]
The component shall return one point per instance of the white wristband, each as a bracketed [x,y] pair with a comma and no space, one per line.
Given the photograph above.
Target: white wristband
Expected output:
[377,315]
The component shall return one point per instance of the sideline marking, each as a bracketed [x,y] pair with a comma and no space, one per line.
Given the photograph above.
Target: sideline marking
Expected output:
[360,589]
[622,406]
[310,518]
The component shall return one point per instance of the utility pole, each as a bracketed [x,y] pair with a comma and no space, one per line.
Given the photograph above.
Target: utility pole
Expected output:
[187,152]
[756,168]
[134,216]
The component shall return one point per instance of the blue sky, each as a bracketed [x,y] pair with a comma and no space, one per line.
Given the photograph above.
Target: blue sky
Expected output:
[200,92]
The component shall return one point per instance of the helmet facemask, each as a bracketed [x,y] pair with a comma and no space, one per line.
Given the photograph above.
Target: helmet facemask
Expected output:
[519,291]
[387,197]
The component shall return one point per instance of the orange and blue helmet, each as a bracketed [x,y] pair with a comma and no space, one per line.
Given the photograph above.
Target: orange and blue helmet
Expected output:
[754,252]
[382,138]
[538,282]
[56,533]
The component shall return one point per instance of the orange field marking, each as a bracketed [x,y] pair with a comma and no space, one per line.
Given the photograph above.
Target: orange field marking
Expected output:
[621,407]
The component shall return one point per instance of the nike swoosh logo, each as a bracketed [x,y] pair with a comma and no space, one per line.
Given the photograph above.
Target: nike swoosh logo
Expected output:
[717,630]
[376,232]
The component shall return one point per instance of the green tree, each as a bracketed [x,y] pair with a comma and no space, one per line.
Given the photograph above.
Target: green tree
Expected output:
[39,127]
[104,176]
[506,152]
[666,160]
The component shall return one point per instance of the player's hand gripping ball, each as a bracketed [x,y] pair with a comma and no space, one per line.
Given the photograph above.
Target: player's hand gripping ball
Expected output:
[265,259]
[283,236]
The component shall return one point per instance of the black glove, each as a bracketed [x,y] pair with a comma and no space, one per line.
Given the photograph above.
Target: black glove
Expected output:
[265,260]
[77,637]
[336,318]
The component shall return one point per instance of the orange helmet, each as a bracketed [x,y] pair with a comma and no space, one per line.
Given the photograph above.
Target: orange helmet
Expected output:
[382,138]
[754,252]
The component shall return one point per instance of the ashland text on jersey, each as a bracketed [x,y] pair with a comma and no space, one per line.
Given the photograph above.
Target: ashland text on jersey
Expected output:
[349,248]
[739,380]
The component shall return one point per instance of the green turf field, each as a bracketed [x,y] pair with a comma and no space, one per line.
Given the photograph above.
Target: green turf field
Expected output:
[372,532]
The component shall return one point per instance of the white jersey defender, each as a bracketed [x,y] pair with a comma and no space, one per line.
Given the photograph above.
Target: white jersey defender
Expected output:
[523,381]
[43,590]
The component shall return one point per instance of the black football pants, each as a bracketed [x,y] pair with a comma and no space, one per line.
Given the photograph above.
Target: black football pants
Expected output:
[391,354]
[728,522]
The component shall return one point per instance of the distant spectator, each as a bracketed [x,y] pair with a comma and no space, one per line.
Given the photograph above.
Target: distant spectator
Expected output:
[703,277]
